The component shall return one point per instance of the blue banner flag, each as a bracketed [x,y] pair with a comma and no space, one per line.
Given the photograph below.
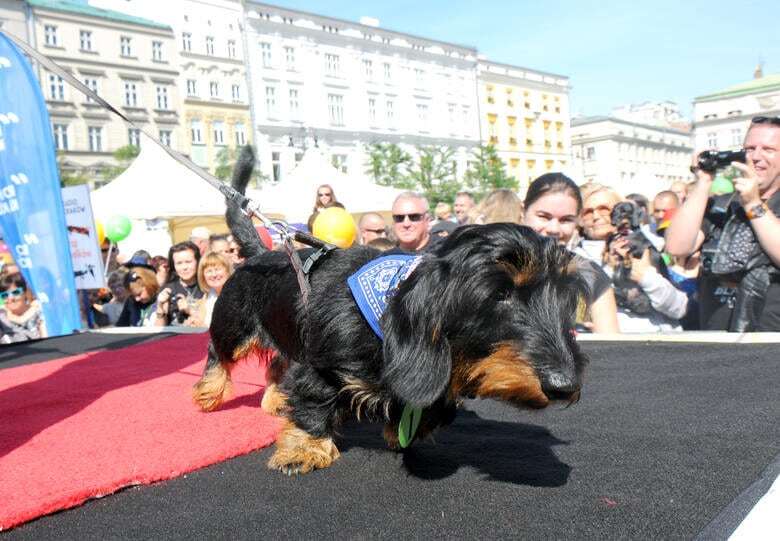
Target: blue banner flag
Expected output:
[32,218]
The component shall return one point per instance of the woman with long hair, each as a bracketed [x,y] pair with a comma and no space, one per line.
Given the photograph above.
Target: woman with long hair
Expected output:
[213,271]
[325,198]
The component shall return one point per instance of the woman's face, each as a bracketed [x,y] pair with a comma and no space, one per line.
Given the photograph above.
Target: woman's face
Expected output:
[215,276]
[324,196]
[139,292]
[553,215]
[15,301]
[185,265]
[596,215]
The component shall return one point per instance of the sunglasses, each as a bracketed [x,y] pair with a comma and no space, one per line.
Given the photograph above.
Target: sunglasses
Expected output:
[18,292]
[376,231]
[416,217]
[324,194]
[773,120]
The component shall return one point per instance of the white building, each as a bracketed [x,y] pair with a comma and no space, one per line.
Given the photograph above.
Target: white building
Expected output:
[629,157]
[343,85]
[654,113]
[721,119]
[13,18]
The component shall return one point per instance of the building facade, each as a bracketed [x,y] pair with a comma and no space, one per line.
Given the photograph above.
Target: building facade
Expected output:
[212,82]
[126,59]
[721,119]
[13,18]
[524,114]
[342,86]
[628,156]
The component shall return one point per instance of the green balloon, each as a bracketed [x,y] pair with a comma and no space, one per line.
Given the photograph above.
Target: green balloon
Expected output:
[117,228]
[721,185]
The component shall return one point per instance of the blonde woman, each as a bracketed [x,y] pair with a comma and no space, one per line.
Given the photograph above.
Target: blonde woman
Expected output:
[498,206]
[213,272]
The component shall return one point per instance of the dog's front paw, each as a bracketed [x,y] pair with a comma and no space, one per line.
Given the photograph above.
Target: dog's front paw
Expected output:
[390,434]
[298,452]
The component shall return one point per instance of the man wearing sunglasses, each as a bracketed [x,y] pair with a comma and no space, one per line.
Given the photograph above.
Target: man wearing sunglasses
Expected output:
[740,282]
[411,221]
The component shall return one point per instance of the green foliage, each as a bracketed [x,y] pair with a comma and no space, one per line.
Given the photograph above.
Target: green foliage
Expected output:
[69,178]
[124,156]
[487,172]
[226,161]
[387,164]
[434,174]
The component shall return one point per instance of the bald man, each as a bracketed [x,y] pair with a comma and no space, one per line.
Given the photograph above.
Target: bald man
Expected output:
[663,202]
[371,226]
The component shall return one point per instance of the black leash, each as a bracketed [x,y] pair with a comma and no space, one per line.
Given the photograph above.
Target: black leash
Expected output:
[287,233]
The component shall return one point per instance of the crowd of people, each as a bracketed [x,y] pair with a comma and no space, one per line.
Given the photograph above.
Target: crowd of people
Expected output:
[689,259]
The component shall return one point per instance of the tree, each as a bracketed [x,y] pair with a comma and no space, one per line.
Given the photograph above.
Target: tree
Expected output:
[434,174]
[387,163]
[69,178]
[124,156]
[226,161]
[487,172]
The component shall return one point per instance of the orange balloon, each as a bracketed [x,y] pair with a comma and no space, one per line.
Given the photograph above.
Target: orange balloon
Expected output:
[335,225]
[101,232]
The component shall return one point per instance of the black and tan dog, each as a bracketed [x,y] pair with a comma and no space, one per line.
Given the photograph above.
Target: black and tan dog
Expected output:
[489,314]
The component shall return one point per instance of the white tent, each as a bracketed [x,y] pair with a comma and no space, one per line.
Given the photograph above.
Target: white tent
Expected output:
[156,186]
[294,196]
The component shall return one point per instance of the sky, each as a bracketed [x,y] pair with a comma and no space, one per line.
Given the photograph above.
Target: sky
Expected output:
[614,53]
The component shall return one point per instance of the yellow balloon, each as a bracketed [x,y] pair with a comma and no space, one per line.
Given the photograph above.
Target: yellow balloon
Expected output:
[101,232]
[335,225]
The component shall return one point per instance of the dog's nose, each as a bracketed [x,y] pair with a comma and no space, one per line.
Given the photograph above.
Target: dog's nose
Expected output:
[559,386]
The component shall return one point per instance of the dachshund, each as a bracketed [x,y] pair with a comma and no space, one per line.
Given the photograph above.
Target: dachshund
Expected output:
[489,313]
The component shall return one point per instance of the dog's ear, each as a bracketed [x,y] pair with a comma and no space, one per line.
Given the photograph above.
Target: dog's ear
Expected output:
[417,358]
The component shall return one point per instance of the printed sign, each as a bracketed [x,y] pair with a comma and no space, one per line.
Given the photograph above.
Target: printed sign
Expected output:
[84,244]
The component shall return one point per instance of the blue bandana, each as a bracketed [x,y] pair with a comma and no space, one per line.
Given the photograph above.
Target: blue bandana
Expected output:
[377,281]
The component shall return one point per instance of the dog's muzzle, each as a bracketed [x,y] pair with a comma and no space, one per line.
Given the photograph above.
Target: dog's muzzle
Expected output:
[560,387]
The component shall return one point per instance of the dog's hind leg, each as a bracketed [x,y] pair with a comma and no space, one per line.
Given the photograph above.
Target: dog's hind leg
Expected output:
[210,390]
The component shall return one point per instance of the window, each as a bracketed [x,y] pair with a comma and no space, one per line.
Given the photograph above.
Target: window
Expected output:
[192,87]
[736,137]
[85,40]
[388,72]
[336,109]
[231,48]
[276,166]
[92,84]
[165,137]
[235,92]
[339,161]
[210,45]
[590,153]
[125,46]
[196,132]
[162,97]
[131,95]
[240,133]
[218,128]
[95,136]
[60,132]
[186,41]
[419,78]
[390,113]
[332,65]
[157,55]
[712,140]
[294,104]
[372,110]
[289,58]
[50,35]
[134,137]
[368,70]
[422,117]
[214,89]
[270,101]
[265,51]
[56,87]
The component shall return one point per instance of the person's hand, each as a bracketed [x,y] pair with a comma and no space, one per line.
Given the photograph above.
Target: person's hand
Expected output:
[618,251]
[640,266]
[703,178]
[164,297]
[182,304]
[747,185]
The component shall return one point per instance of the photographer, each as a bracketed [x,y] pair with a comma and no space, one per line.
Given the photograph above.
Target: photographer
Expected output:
[741,253]
[179,297]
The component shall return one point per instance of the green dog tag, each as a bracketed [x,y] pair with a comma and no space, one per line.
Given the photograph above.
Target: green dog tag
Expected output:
[410,420]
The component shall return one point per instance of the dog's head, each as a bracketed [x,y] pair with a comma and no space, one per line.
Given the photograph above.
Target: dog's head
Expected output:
[626,217]
[489,314]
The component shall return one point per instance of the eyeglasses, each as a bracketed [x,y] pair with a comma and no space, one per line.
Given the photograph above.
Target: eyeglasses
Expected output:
[18,292]
[601,209]
[416,217]
[773,120]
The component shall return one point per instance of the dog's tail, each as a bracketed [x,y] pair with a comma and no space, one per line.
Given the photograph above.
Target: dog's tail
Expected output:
[240,224]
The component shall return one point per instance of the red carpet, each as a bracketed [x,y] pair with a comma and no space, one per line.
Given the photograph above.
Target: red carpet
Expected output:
[87,425]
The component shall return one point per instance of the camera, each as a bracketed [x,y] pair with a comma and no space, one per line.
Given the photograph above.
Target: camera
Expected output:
[710,161]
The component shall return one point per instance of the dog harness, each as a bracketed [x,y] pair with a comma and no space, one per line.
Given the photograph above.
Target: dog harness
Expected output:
[375,283]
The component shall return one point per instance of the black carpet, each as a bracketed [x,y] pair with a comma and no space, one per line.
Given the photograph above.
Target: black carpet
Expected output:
[669,441]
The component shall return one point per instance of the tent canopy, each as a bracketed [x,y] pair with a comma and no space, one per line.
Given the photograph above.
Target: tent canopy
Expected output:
[156,186]
[294,196]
